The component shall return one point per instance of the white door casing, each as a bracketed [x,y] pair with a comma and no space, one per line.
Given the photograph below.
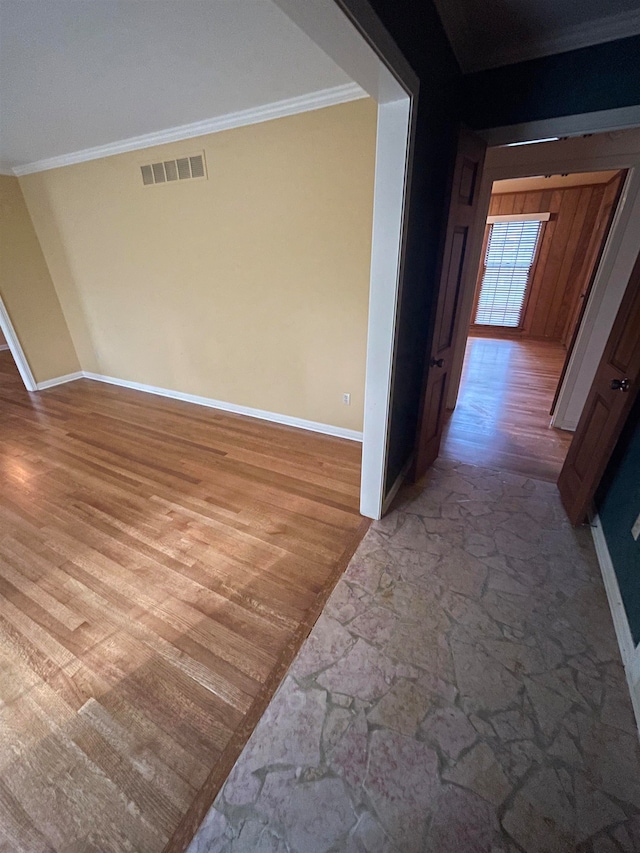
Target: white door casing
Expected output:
[352,35]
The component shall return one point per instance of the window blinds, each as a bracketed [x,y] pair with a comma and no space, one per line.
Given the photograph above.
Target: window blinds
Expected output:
[510,252]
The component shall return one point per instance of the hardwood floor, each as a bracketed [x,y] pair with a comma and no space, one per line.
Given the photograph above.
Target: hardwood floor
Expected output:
[502,417]
[160,564]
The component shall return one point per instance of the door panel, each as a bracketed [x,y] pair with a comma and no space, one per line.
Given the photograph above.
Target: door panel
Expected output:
[433,407]
[588,271]
[452,293]
[612,395]
[455,273]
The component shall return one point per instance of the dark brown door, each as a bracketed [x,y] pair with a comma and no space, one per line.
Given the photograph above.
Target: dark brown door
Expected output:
[612,394]
[454,272]
[588,271]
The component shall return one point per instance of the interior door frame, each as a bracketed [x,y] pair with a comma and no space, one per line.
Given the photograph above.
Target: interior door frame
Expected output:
[352,35]
[15,348]
[580,154]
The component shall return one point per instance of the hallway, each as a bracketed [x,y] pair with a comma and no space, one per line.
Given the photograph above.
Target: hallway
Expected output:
[461,693]
[502,416]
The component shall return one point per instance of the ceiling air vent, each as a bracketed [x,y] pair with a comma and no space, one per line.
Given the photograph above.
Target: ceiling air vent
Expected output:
[167,171]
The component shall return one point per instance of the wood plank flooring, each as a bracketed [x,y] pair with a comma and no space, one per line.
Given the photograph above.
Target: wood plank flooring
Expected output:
[160,564]
[502,417]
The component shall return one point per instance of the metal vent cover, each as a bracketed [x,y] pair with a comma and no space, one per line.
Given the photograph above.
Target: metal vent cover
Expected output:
[168,171]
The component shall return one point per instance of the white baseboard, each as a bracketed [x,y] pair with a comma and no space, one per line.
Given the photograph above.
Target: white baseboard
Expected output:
[59,380]
[274,417]
[628,650]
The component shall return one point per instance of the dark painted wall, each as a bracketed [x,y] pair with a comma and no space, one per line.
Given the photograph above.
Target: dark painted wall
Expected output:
[416,28]
[602,77]
[618,503]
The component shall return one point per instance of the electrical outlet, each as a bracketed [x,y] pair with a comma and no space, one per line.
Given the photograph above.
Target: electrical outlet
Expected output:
[346,399]
[635,530]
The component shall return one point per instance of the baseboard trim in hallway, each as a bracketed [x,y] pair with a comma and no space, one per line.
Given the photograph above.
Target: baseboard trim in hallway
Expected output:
[629,652]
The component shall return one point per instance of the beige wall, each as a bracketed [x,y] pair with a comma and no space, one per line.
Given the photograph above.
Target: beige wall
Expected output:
[250,287]
[3,340]
[28,292]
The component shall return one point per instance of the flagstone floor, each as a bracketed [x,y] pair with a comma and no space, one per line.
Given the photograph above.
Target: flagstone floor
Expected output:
[461,693]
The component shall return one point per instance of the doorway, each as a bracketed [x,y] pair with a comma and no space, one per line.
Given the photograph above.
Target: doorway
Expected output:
[11,350]
[543,240]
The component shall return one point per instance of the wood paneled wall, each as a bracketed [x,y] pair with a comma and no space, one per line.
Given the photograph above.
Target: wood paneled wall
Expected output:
[567,254]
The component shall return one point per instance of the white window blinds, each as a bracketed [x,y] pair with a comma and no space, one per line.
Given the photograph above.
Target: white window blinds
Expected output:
[511,249]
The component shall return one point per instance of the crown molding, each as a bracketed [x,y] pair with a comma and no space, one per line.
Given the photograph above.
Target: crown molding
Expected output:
[242,118]
[585,34]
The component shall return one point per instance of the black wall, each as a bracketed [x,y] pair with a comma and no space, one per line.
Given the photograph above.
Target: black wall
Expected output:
[416,28]
[602,77]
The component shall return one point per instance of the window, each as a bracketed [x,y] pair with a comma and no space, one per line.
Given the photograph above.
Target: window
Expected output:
[509,256]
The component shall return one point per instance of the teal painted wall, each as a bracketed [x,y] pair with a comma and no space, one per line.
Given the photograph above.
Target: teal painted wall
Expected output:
[618,503]
[602,77]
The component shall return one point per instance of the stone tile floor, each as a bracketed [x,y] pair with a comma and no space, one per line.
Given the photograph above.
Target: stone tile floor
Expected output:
[462,692]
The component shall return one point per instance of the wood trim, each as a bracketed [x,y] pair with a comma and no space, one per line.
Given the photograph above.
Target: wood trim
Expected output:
[533,269]
[518,217]
[480,275]
[592,186]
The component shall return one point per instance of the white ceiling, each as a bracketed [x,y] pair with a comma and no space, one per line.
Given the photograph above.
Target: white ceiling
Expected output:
[76,74]
[489,33]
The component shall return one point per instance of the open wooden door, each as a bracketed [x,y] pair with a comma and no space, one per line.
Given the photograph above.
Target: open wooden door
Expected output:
[612,395]
[588,271]
[455,270]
